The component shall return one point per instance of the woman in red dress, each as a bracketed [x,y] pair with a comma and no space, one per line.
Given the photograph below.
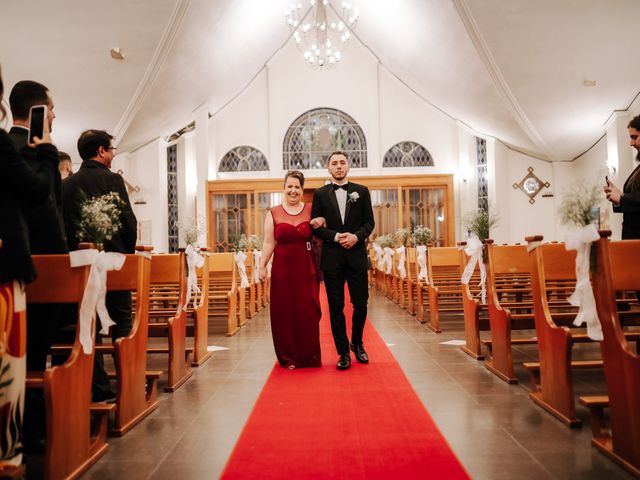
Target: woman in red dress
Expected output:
[295,306]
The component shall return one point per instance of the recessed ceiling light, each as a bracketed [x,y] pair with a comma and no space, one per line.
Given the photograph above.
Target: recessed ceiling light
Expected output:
[116,54]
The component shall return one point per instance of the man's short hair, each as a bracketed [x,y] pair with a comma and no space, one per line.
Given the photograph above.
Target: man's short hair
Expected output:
[63,156]
[91,140]
[24,95]
[337,152]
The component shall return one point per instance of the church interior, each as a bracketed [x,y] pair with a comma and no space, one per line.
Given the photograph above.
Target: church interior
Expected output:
[451,113]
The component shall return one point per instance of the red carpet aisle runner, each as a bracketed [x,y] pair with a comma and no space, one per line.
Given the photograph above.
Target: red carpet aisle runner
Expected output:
[363,423]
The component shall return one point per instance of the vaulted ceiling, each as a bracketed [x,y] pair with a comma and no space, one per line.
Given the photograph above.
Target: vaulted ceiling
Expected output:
[518,70]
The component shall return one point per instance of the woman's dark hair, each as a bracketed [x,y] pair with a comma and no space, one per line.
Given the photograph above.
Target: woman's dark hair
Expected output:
[295,174]
[635,123]
[3,113]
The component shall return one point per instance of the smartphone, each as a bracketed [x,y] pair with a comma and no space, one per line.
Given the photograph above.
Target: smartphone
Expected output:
[606,180]
[37,117]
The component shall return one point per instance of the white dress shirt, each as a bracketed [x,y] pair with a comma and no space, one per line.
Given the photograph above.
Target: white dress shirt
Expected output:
[341,197]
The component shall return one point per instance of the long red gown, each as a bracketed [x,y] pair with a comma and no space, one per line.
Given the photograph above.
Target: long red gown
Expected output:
[295,305]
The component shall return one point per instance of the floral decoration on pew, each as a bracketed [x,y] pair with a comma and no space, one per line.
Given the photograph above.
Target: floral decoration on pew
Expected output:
[478,224]
[99,222]
[190,231]
[421,237]
[255,244]
[240,246]
[386,243]
[578,211]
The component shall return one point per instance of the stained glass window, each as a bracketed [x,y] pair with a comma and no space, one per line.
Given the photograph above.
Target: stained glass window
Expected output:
[172,196]
[483,181]
[407,154]
[243,159]
[315,134]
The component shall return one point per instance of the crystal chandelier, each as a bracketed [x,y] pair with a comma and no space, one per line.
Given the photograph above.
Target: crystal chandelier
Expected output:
[321,32]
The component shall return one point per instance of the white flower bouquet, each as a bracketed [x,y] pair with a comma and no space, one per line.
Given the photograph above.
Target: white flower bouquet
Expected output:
[100,218]
[421,235]
[353,197]
[191,230]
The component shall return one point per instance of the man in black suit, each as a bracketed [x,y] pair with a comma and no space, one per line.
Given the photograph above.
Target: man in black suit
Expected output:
[43,218]
[346,208]
[94,178]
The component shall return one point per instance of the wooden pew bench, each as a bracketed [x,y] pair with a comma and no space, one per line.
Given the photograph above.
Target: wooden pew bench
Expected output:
[167,317]
[620,439]
[445,294]
[476,315]
[76,429]
[224,295]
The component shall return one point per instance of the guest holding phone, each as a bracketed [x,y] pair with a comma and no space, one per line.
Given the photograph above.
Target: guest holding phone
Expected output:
[627,201]
[19,182]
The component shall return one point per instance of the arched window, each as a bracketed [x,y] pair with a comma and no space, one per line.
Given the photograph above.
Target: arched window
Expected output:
[315,134]
[407,154]
[243,159]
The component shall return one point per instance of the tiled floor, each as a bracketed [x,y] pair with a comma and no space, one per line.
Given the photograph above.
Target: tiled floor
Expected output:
[495,430]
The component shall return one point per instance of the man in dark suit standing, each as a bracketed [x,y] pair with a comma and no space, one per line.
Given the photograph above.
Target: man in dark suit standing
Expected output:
[94,178]
[346,208]
[43,218]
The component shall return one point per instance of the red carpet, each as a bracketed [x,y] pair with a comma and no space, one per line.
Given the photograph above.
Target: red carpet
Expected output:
[364,423]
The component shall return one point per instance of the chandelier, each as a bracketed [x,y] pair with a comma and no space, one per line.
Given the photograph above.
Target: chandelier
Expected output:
[321,32]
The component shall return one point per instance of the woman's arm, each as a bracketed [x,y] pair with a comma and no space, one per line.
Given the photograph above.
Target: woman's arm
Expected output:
[268,245]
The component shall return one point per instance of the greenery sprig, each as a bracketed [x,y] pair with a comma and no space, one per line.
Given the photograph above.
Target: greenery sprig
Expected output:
[480,222]
[579,203]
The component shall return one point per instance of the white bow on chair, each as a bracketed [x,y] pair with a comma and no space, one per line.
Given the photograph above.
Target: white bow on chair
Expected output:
[474,250]
[194,260]
[242,269]
[421,250]
[257,256]
[95,292]
[387,260]
[402,270]
[580,239]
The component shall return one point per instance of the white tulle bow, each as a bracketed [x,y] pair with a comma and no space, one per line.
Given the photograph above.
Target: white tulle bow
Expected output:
[402,270]
[580,240]
[421,251]
[240,257]
[194,260]
[474,251]
[95,292]
[387,260]
[379,254]
[257,256]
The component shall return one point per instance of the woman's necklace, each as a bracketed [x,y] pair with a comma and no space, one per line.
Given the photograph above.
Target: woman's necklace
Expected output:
[293,210]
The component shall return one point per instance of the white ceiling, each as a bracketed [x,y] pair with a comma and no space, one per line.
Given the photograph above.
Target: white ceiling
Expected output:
[512,69]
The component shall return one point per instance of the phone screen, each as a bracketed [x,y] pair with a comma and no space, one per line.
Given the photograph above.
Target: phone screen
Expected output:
[36,122]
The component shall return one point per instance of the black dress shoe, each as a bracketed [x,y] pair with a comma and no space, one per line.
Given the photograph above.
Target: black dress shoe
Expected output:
[361,355]
[344,362]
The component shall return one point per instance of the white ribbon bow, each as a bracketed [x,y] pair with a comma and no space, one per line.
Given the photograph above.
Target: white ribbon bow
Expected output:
[257,256]
[240,258]
[474,250]
[194,260]
[421,250]
[402,270]
[379,254]
[580,239]
[95,292]
[387,262]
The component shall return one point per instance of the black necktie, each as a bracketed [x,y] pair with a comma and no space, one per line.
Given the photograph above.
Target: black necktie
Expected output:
[336,186]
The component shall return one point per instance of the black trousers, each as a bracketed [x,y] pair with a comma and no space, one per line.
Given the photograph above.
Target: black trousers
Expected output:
[119,307]
[357,282]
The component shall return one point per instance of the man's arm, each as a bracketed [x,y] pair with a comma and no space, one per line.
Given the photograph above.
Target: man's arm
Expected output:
[129,230]
[324,233]
[368,222]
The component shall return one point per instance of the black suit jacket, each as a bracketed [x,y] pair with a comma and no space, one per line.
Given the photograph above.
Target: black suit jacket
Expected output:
[19,183]
[43,216]
[95,179]
[630,209]
[358,219]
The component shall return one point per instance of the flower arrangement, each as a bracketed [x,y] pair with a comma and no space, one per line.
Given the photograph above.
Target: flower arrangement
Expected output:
[421,235]
[241,243]
[401,237]
[100,218]
[191,230]
[579,205]
[353,197]
[480,222]
[385,241]
[254,242]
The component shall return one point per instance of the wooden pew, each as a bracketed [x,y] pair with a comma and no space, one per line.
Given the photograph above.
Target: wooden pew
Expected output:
[200,315]
[614,273]
[223,294]
[136,395]
[444,284]
[74,441]
[473,309]
[168,317]
[412,287]
[552,377]
[508,287]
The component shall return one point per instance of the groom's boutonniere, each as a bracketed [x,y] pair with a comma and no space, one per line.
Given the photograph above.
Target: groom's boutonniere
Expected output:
[353,197]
